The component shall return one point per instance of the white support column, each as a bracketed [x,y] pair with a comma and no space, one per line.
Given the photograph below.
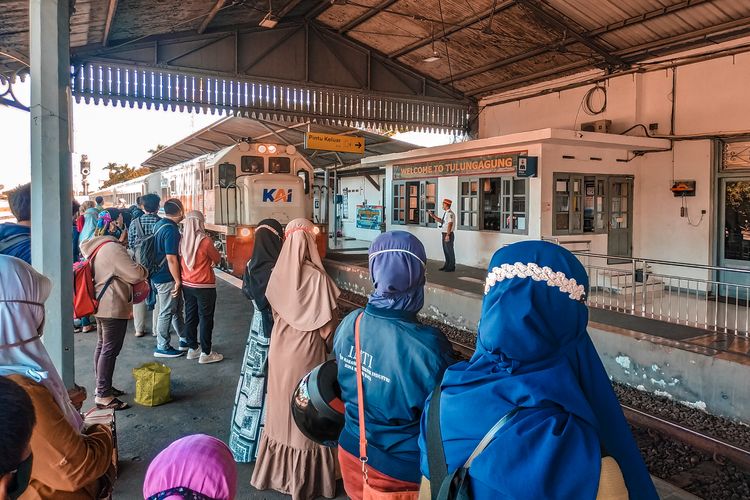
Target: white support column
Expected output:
[51,176]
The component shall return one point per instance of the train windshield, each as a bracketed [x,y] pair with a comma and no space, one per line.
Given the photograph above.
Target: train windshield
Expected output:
[280,165]
[252,165]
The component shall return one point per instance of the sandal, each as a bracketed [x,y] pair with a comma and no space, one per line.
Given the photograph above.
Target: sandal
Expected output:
[117,392]
[115,404]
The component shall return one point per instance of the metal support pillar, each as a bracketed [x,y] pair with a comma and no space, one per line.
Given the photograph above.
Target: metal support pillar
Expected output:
[51,175]
[326,204]
[335,209]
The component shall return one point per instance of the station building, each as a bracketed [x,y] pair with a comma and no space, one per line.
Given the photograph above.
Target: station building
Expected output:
[651,164]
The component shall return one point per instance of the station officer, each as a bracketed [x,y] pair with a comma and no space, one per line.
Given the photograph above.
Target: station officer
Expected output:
[448,220]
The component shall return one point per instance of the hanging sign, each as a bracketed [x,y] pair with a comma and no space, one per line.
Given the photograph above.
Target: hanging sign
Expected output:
[527,166]
[332,142]
[505,163]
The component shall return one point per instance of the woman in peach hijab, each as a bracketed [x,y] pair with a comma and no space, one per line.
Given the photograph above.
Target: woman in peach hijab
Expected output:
[303,298]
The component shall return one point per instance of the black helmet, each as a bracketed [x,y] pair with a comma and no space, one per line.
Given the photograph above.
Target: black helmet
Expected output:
[317,407]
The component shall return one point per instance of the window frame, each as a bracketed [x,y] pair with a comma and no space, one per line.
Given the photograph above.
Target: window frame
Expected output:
[574,217]
[400,192]
[505,215]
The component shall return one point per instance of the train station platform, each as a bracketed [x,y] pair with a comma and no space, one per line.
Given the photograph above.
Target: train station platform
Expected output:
[700,368]
[202,398]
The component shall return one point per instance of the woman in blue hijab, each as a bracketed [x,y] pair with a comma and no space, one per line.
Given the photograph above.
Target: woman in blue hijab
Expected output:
[533,353]
[403,360]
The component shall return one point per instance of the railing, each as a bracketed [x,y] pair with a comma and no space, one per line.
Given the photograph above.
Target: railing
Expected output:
[677,292]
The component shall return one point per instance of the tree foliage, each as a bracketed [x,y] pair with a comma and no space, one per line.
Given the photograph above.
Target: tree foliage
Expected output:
[122,173]
[155,150]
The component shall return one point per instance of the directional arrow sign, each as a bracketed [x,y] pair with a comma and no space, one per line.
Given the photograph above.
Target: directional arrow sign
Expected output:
[331,142]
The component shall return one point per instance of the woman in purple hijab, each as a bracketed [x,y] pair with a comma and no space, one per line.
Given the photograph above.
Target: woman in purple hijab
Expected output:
[406,359]
[196,467]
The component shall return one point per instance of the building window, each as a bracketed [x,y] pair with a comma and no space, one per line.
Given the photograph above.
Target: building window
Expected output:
[503,202]
[413,200]
[580,204]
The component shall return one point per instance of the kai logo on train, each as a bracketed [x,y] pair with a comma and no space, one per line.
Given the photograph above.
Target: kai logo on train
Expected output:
[277,195]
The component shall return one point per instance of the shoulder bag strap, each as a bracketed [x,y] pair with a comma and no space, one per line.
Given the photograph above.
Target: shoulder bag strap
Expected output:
[140,232]
[12,241]
[435,452]
[360,399]
[490,436]
[109,281]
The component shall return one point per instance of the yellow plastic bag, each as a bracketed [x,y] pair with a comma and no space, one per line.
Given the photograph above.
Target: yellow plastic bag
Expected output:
[152,384]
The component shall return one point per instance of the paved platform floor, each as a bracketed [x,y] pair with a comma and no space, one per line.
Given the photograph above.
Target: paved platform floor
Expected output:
[203,395]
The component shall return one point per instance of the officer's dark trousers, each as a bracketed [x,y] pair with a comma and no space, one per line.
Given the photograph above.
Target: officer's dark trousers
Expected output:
[450,255]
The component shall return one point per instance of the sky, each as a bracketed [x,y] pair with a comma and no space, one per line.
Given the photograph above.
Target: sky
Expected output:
[112,134]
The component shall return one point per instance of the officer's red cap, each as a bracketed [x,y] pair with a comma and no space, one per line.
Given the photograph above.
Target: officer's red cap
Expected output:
[449,202]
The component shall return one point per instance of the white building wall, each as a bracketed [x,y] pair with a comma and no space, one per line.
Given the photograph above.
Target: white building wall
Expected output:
[710,98]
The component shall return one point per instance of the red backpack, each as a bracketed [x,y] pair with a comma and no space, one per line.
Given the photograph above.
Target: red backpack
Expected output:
[85,300]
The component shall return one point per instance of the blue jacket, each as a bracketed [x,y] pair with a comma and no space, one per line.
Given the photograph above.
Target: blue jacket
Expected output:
[402,361]
[21,248]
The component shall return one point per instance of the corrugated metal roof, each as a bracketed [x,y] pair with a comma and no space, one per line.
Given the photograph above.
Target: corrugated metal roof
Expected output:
[228,131]
[523,41]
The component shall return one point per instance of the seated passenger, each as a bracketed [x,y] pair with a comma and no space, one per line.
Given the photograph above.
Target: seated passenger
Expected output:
[15,237]
[409,359]
[197,466]
[534,357]
[69,460]
[17,421]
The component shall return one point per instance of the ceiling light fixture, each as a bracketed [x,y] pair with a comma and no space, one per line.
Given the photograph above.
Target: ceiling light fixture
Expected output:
[269,20]
[435,56]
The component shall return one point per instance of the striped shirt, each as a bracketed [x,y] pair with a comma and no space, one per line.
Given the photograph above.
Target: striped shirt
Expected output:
[147,222]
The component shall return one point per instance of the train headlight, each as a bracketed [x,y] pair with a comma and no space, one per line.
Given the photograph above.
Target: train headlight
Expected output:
[290,149]
[245,232]
[272,149]
[316,230]
[262,149]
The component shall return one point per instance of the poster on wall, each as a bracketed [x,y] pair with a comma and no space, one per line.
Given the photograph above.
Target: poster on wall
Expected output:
[345,206]
[369,217]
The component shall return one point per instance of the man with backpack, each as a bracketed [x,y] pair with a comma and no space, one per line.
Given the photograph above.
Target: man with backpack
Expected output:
[15,238]
[167,279]
[142,228]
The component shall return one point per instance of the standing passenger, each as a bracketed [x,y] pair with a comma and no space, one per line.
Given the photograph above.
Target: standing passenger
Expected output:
[15,238]
[199,288]
[411,358]
[249,403]
[534,357]
[115,273]
[99,203]
[91,217]
[168,281]
[141,228]
[449,222]
[303,299]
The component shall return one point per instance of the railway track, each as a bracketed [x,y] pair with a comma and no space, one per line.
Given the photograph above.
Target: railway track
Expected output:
[717,448]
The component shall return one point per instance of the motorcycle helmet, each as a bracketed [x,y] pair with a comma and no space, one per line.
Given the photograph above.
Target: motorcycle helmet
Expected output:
[317,407]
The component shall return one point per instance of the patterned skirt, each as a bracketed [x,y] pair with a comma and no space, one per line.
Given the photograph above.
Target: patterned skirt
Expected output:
[249,416]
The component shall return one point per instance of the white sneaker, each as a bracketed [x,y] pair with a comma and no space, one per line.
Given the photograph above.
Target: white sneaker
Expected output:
[194,353]
[214,357]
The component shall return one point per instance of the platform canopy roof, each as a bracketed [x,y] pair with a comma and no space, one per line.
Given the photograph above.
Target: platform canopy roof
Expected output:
[231,130]
[383,63]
